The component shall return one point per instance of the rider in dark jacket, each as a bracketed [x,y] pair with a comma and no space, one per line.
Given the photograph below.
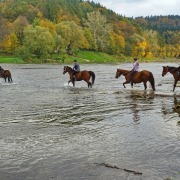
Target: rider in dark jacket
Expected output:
[76,68]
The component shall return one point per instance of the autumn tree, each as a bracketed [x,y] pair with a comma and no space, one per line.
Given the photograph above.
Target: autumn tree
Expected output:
[116,44]
[5,33]
[153,47]
[18,27]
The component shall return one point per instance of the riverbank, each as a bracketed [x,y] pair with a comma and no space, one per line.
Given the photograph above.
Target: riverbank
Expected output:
[83,57]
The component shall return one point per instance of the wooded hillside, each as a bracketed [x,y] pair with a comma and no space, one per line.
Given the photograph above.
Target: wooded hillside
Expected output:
[40,28]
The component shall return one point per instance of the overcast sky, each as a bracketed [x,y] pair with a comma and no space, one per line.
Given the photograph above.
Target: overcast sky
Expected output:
[135,8]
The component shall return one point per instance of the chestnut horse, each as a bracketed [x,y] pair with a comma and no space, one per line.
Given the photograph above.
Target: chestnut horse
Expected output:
[174,71]
[5,74]
[138,77]
[82,75]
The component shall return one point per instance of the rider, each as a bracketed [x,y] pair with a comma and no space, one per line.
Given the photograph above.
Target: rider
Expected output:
[76,69]
[134,69]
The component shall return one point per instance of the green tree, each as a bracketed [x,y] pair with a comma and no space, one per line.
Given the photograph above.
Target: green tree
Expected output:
[72,35]
[99,27]
[38,41]
[89,36]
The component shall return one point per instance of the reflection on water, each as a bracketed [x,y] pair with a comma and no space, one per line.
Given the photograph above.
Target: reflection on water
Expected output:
[49,130]
[135,98]
[176,107]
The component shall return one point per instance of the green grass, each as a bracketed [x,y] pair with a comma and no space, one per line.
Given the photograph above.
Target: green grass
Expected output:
[82,57]
[10,59]
[92,57]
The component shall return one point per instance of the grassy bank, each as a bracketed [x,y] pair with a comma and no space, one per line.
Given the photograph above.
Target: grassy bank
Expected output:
[6,58]
[82,57]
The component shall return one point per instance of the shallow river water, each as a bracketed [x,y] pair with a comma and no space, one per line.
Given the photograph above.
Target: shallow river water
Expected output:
[50,130]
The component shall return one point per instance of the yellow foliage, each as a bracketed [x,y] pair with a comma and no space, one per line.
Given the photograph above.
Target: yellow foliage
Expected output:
[63,16]
[47,24]
[10,43]
[149,55]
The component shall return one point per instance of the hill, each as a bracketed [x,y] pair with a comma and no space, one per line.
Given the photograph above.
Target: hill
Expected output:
[37,30]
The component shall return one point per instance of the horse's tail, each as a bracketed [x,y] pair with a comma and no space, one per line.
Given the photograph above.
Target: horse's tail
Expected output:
[151,80]
[92,74]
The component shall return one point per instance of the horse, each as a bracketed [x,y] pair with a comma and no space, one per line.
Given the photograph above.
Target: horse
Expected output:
[138,77]
[82,75]
[174,71]
[5,74]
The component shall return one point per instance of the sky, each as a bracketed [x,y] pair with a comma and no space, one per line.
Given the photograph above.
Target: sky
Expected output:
[136,8]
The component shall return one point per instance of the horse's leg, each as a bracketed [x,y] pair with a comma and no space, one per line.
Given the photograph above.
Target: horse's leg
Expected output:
[73,82]
[10,79]
[89,84]
[175,82]
[131,84]
[145,85]
[126,82]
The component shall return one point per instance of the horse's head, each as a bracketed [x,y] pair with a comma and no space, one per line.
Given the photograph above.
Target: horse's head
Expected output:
[65,69]
[118,73]
[1,71]
[165,70]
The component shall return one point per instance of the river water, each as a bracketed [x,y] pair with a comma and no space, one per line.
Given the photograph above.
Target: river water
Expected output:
[50,130]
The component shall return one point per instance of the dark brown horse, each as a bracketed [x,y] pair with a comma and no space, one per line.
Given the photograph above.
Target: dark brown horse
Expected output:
[174,71]
[138,77]
[6,74]
[82,75]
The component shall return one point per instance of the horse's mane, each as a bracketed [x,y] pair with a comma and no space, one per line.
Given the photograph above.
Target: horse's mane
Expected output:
[172,68]
[1,69]
[127,71]
[69,67]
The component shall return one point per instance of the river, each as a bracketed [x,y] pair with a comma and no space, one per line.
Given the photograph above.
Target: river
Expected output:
[50,130]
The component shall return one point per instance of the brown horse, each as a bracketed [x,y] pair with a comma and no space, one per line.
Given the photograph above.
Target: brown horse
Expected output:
[138,77]
[174,71]
[82,75]
[5,74]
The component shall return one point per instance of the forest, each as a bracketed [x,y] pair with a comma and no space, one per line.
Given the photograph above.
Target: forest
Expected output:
[40,28]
